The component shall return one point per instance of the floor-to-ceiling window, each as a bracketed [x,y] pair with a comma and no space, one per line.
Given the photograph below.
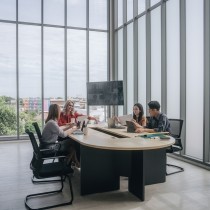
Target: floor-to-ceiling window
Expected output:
[49,50]
[173,58]
[171,38]
[194,78]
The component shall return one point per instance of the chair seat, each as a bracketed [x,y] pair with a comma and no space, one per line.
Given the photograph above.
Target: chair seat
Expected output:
[173,149]
[53,170]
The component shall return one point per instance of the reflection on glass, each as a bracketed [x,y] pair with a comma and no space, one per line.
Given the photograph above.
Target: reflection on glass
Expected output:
[54,12]
[194,78]
[29,11]
[98,14]
[141,6]
[129,9]
[76,13]
[76,72]
[8,9]
[53,62]
[130,87]
[142,61]
[120,63]
[8,103]
[98,67]
[120,12]
[156,55]
[29,76]
[173,59]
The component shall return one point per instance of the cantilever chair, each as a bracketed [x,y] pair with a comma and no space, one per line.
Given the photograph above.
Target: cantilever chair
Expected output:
[43,170]
[176,129]
[51,150]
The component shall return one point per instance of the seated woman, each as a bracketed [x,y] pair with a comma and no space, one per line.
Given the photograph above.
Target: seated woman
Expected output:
[68,114]
[139,119]
[52,131]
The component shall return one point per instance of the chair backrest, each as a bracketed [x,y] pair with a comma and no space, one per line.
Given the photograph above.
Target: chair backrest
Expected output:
[37,160]
[176,127]
[38,132]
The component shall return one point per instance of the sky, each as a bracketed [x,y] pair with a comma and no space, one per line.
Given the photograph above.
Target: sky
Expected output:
[29,48]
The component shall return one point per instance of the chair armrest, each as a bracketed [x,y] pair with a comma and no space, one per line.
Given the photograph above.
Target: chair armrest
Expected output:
[53,157]
[178,143]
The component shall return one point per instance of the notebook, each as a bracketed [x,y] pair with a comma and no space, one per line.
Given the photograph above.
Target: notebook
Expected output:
[130,127]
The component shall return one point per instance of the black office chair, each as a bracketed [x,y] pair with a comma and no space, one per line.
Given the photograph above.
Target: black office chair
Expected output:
[176,129]
[43,170]
[47,150]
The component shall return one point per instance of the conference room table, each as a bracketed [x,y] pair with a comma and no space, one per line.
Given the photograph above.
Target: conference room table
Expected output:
[106,154]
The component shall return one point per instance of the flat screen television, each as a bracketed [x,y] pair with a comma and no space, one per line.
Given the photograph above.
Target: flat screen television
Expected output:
[105,93]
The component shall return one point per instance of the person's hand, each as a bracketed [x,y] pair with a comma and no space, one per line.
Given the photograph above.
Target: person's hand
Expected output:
[139,130]
[116,119]
[71,130]
[96,121]
[70,125]
[136,124]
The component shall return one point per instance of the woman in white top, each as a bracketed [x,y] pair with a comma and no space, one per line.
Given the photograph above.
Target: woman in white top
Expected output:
[52,131]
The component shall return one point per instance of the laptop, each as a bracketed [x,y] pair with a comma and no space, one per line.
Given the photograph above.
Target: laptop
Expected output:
[130,127]
[125,118]
[80,130]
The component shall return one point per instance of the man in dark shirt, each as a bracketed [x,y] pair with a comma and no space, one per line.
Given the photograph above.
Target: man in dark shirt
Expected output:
[158,121]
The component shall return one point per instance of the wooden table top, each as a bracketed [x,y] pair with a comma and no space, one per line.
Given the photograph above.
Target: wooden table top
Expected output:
[127,141]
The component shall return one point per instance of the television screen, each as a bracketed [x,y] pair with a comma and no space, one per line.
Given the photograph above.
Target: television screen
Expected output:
[105,93]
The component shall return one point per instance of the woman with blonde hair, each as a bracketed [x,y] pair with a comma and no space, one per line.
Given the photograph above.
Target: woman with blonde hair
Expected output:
[69,115]
[52,131]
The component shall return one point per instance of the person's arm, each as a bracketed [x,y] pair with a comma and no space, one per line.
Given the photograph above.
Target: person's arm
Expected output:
[92,118]
[70,131]
[162,124]
[144,130]
[136,124]
[144,121]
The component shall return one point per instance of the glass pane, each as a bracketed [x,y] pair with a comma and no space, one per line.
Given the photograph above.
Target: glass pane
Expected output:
[194,78]
[8,100]
[98,14]
[120,63]
[130,87]
[29,11]
[173,59]
[29,76]
[141,6]
[120,12]
[156,55]
[76,13]
[142,62]
[98,67]
[8,9]
[129,9]
[76,57]
[53,64]
[54,12]
[98,56]
[153,2]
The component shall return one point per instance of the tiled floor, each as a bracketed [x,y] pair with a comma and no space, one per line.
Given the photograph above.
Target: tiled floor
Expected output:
[189,190]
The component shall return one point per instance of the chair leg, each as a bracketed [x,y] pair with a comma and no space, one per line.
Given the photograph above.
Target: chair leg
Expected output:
[51,192]
[180,169]
[34,181]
